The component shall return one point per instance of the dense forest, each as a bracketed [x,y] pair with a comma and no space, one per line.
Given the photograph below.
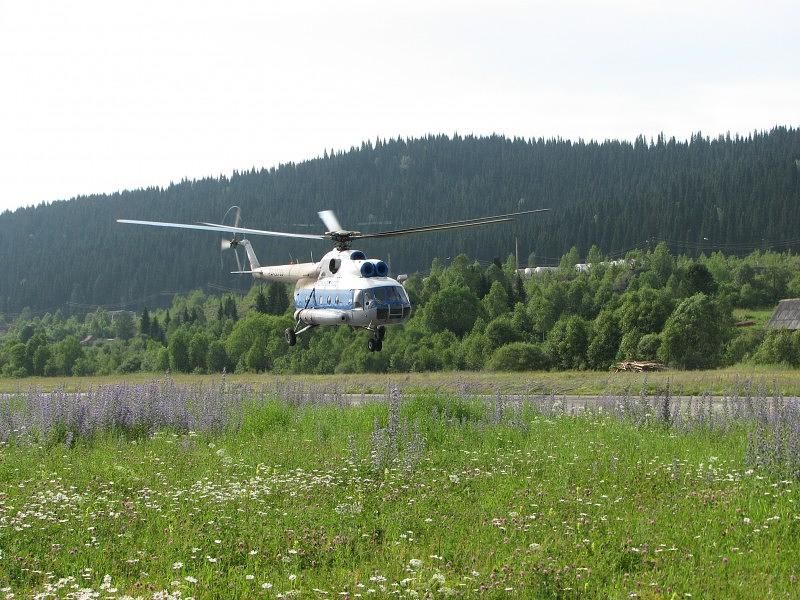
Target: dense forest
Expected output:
[651,305]
[735,194]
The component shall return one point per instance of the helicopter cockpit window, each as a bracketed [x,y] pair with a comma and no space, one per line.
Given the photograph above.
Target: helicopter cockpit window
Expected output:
[389,293]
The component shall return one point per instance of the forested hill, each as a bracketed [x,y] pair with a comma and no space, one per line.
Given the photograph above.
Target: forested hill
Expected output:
[734,194]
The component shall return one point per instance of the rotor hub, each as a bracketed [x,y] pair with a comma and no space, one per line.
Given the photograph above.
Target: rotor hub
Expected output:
[342,239]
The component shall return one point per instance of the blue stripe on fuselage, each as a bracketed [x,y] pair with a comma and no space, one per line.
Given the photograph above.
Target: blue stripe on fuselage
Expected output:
[324,299]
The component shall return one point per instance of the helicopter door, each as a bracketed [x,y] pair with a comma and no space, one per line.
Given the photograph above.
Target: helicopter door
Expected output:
[358,299]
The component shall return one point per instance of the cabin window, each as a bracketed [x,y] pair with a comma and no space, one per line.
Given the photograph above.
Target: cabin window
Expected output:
[357,299]
[337,300]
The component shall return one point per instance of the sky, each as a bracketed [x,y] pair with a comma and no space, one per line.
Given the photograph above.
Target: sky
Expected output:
[99,96]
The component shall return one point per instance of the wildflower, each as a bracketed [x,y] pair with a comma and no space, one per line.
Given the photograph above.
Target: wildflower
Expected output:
[177,565]
[190,579]
[415,563]
[292,577]
[249,577]
[266,586]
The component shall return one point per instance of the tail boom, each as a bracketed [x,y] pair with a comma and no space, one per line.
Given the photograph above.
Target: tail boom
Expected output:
[287,273]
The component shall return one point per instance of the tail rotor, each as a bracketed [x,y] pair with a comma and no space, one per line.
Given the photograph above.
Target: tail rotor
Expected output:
[232,217]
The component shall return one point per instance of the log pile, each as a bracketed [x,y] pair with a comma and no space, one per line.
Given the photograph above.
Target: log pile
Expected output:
[639,366]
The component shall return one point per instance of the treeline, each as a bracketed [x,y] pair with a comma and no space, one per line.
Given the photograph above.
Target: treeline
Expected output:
[652,306]
[732,193]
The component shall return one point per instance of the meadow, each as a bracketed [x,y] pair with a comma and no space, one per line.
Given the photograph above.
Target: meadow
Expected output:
[166,490]
[576,382]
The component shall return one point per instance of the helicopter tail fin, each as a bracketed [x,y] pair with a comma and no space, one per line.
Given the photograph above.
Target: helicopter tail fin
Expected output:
[251,255]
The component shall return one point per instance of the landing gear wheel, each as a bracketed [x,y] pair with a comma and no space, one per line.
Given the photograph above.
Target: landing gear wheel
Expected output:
[380,332]
[379,346]
[290,336]
[373,345]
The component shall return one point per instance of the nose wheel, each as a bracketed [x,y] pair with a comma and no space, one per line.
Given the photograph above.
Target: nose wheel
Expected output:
[291,336]
[375,343]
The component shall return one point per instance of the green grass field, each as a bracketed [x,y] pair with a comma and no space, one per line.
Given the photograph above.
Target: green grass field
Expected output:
[324,502]
[717,381]
[759,315]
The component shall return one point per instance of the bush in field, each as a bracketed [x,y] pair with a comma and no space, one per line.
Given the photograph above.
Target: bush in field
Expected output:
[567,343]
[501,331]
[647,348]
[261,329]
[179,351]
[474,351]
[519,356]
[695,334]
[454,309]
[605,341]
[742,347]
[779,347]
[217,359]
[198,351]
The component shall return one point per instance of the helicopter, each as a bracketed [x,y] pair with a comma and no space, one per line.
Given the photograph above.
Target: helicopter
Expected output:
[344,287]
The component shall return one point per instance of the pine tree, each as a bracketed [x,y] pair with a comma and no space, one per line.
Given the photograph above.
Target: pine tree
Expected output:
[155,331]
[144,323]
[277,300]
[261,302]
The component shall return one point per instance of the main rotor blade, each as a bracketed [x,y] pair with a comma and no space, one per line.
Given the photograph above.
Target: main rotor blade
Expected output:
[329,218]
[429,228]
[229,229]
[451,225]
[222,228]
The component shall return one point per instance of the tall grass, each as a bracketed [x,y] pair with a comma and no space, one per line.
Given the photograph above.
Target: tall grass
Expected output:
[412,496]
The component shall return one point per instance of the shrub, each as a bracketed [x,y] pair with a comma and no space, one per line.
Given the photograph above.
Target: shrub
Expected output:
[519,356]
[647,348]
[695,334]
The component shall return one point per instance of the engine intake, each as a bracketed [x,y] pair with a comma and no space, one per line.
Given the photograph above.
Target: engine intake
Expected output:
[368,269]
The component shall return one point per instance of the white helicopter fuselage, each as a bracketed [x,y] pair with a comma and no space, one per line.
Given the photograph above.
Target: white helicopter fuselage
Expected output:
[344,288]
